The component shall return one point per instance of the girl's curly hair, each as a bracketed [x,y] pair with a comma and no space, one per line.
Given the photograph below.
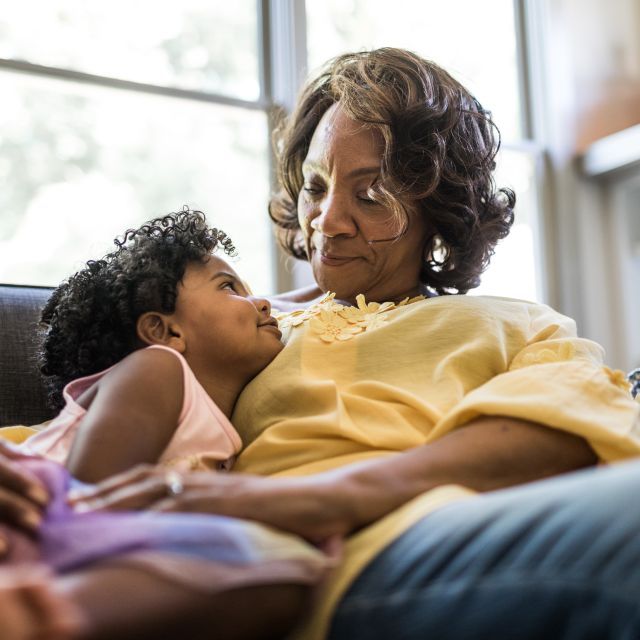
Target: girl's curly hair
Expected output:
[439,155]
[89,321]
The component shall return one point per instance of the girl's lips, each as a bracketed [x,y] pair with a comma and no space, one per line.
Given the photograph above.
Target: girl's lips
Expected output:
[271,327]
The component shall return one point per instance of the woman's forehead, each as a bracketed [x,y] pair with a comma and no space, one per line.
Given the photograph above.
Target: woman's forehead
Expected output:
[338,134]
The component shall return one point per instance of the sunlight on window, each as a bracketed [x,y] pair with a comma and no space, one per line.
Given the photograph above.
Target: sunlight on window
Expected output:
[474,41]
[513,271]
[206,45]
[81,164]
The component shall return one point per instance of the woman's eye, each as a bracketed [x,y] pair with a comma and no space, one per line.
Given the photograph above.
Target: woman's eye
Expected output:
[365,199]
[228,285]
[311,189]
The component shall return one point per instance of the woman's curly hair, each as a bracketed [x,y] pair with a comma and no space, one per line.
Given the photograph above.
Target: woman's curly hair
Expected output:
[439,155]
[89,321]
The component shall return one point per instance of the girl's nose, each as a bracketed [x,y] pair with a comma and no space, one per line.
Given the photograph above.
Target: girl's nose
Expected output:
[262,305]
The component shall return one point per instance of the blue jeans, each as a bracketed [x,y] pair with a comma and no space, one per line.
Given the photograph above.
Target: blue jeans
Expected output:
[555,559]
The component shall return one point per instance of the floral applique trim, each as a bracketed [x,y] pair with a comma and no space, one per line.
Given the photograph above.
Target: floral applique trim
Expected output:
[295,318]
[618,378]
[336,322]
[331,326]
[566,351]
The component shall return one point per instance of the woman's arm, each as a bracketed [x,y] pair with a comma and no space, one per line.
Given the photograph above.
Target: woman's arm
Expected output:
[487,453]
[131,418]
[23,497]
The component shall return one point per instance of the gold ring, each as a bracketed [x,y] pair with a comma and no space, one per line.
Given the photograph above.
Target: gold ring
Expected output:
[173,483]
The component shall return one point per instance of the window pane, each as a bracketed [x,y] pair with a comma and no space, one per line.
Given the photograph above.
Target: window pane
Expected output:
[205,45]
[81,164]
[513,271]
[474,41]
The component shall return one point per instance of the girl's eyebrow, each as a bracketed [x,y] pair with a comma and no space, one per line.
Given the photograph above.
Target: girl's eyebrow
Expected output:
[224,274]
[236,280]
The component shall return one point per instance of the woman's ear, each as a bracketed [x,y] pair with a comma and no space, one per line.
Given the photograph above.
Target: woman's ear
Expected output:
[157,328]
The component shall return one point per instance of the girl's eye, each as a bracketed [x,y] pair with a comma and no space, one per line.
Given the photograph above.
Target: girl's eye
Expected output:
[228,285]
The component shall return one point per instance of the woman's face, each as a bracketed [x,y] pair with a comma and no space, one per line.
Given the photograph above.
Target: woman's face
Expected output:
[355,245]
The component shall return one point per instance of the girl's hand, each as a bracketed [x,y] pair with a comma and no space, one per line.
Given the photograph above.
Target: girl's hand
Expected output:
[312,507]
[22,496]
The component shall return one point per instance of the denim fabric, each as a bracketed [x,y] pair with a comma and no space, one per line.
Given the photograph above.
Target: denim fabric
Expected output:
[634,379]
[556,559]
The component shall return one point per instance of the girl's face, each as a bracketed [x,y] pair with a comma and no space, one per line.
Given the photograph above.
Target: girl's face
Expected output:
[223,327]
[355,245]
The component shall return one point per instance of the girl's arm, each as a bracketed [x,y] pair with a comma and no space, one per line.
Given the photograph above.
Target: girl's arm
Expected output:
[487,453]
[131,418]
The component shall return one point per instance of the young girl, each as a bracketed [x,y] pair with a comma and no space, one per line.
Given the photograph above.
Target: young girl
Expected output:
[149,349]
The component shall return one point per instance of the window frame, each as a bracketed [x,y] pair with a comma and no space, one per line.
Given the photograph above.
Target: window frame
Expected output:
[282,68]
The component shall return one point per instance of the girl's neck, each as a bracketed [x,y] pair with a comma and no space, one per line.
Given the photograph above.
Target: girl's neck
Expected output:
[223,389]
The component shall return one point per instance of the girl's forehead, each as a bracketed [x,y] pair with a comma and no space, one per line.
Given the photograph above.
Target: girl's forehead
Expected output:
[217,263]
[210,267]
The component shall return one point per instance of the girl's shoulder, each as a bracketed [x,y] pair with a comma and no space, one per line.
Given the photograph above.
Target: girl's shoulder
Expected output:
[156,366]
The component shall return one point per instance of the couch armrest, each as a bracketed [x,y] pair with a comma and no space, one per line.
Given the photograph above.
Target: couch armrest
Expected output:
[22,392]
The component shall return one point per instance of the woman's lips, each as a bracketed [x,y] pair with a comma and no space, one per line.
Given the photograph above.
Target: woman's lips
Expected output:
[334,260]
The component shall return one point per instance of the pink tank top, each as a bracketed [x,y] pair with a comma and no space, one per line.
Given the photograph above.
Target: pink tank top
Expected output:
[203,439]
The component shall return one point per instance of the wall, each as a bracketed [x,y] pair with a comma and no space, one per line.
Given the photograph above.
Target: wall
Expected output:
[585,66]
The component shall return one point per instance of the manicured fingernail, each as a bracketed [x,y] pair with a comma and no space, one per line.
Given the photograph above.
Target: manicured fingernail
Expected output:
[75,495]
[31,519]
[83,507]
[38,494]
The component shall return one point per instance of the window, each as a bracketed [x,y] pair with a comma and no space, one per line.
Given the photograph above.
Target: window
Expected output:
[115,113]
[110,117]
[477,42]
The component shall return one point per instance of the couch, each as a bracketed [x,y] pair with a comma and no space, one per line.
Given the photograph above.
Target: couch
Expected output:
[22,393]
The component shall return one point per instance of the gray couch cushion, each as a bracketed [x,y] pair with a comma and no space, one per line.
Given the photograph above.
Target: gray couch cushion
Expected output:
[22,393]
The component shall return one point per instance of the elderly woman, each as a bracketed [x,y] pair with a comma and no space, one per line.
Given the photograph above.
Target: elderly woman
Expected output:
[397,400]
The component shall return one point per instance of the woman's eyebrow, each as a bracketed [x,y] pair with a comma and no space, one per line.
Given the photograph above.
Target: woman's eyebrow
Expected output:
[355,173]
[312,166]
[363,171]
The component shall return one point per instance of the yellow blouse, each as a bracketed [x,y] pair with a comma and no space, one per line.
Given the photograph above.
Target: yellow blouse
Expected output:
[373,380]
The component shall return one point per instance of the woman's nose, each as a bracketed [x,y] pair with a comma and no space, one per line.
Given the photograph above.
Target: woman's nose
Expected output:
[333,217]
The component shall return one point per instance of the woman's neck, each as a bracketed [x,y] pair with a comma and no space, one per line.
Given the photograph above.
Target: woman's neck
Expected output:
[302,298]
[395,296]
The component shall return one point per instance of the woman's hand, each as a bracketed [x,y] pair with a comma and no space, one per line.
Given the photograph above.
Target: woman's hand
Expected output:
[311,507]
[22,496]
[30,609]
[486,454]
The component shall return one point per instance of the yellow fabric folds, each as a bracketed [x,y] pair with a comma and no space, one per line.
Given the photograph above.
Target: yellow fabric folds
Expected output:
[430,367]
[16,433]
